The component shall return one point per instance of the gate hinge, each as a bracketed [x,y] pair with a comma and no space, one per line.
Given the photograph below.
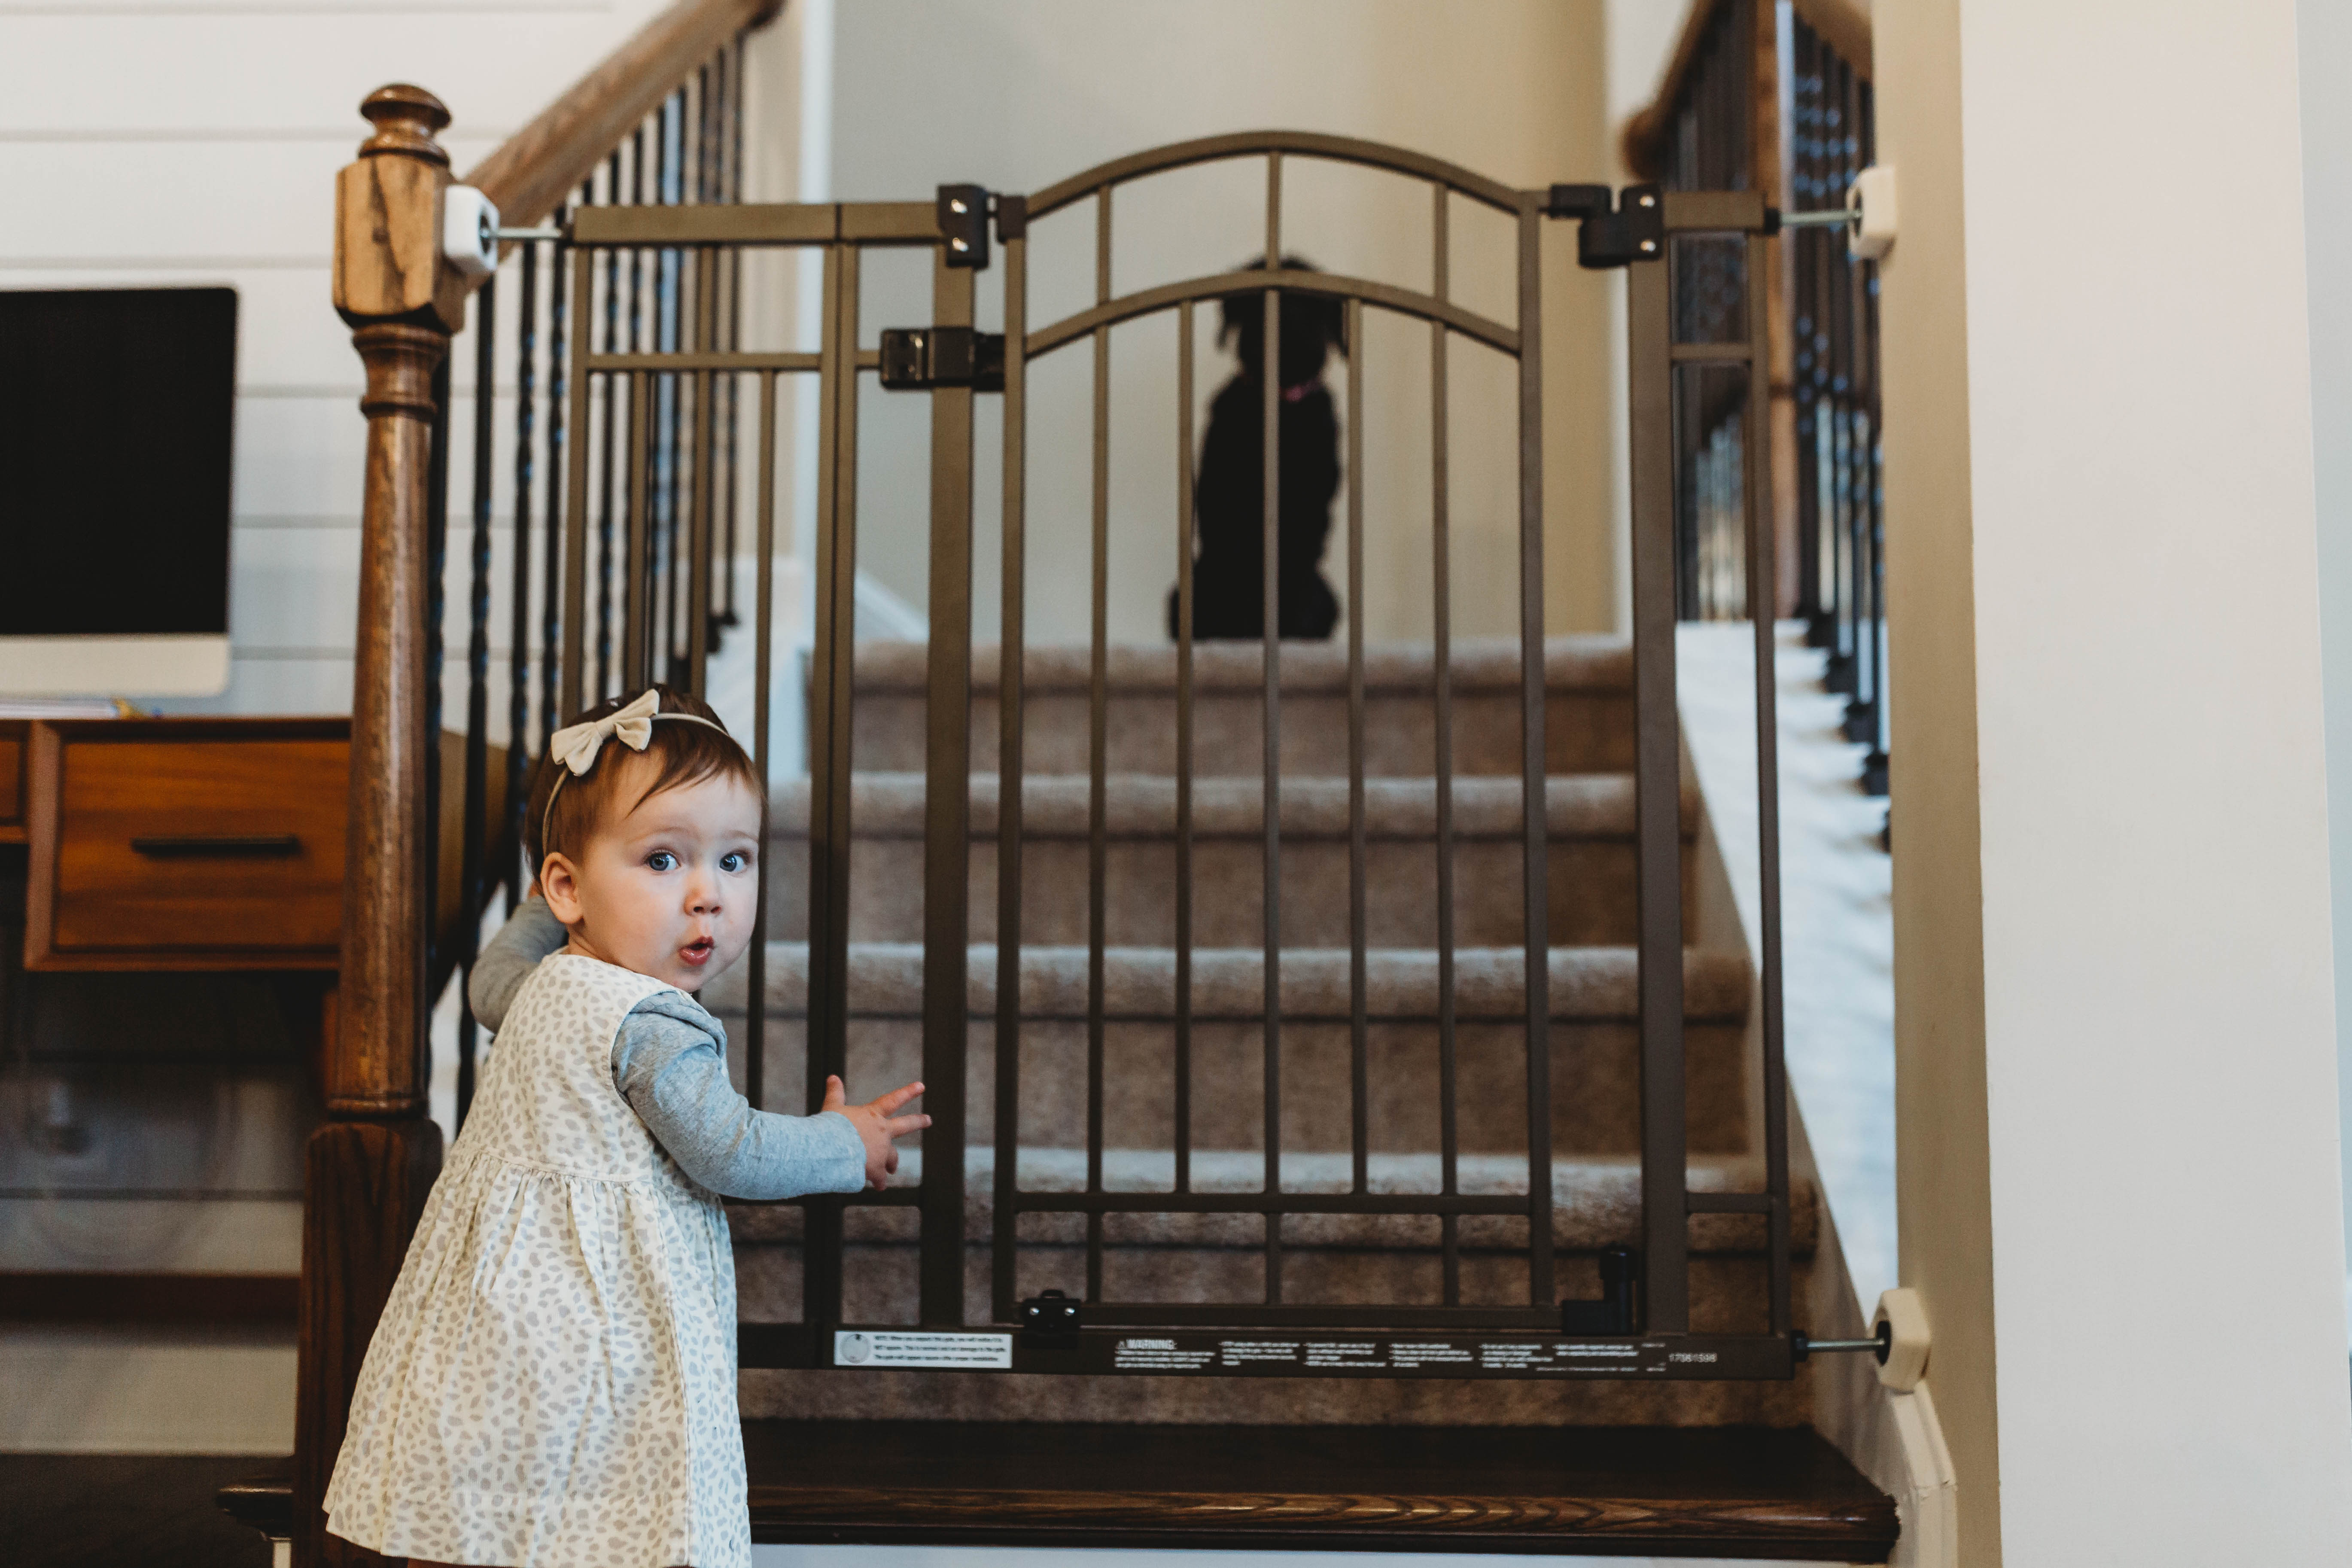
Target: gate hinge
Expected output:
[964,212]
[963,224]
[1049,1322]
[1635,231]
[923,359]
[1619,1309]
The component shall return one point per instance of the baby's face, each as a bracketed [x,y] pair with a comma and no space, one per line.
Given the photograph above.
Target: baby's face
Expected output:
[669,887]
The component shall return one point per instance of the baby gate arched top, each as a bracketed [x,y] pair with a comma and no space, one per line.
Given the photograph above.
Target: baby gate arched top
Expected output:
[653,475]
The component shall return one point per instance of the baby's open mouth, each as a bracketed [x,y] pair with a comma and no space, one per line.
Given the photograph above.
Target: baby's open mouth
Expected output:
[697,952]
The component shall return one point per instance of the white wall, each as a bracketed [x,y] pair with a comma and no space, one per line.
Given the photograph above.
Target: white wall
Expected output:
[2158,1034]
[2326,65]
[1016,97]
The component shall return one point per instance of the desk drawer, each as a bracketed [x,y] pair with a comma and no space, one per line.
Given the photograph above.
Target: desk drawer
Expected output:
[12,782]
[200,849]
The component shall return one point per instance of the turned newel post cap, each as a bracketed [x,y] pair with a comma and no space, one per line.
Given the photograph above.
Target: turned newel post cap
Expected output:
[405,118]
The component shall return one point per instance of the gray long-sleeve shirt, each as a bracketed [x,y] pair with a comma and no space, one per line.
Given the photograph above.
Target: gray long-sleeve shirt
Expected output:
[670,1063]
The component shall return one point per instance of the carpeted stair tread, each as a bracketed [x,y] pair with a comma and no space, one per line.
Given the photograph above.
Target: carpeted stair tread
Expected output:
[1596,1202]
[1143,806]
[1597,663]
[886,979]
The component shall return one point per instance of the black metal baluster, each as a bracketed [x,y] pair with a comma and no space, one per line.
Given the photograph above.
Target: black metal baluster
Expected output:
[553,633]
[519,577]
[437,556]
[732,191]
[477,686]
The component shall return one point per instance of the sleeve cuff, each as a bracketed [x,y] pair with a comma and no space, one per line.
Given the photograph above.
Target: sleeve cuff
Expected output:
[851,1176]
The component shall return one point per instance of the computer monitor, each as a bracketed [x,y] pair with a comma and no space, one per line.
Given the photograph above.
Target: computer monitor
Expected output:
[116,411]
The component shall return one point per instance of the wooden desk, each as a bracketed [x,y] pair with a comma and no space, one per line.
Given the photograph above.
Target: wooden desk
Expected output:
[13,733]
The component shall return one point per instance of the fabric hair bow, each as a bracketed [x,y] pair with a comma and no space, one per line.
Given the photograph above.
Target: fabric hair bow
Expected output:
[577,746]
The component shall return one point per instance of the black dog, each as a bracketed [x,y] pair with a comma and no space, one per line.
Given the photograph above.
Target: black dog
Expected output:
[1229,500]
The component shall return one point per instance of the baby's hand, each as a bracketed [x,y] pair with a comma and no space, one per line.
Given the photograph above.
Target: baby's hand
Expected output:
[877,1127]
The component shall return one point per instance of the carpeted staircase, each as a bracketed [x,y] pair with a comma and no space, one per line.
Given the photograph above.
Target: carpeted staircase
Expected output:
[1330,1258]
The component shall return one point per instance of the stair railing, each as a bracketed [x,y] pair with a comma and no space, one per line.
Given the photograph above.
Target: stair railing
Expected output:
[1775,95]
[657,122]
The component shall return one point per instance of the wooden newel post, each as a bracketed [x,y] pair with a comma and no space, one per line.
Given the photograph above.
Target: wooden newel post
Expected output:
[368,1170]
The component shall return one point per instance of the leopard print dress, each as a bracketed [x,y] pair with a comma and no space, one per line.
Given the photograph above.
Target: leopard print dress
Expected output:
[552,1382]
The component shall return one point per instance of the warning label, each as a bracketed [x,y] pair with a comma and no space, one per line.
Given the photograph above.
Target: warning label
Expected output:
[879,1347]
[1160,1356]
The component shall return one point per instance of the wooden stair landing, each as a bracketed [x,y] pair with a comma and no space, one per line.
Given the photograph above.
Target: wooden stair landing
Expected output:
[1565,1491]
[1645,1491]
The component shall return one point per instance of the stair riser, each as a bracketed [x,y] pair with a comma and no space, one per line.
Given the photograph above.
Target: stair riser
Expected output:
[1595,1073]
[1584,732]
[1592,889]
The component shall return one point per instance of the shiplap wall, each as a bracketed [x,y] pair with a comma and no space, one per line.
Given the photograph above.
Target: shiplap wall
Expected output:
[195,141]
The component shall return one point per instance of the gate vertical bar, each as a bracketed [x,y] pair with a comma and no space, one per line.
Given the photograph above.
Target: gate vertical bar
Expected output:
[1658,827]
[1762,567]
[1184,1109]
[947,821]
[1359,1116]
[1535,875]
[1270,523]
[828,840]
[1098,746]
[1441,769]
[1010,642]
[763,630]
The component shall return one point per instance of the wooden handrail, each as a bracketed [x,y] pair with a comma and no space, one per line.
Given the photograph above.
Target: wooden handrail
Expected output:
[1843,25]
[540,165]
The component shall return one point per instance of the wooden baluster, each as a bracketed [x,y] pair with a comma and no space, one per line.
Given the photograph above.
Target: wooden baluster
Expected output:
[368,1169]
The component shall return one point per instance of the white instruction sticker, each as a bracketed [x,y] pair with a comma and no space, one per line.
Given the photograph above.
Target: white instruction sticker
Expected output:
[872,1347]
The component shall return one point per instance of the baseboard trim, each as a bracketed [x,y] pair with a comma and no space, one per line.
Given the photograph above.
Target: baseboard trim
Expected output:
[246,1300]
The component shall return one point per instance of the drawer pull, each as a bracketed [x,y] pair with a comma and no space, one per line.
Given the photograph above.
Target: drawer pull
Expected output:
[267,846]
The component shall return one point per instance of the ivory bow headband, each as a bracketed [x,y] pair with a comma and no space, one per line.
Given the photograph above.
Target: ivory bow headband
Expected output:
[577,746]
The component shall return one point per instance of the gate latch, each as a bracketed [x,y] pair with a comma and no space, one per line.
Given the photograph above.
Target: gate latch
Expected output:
[1635,231]
[1617,1311]
[922,359]
[1049,1322]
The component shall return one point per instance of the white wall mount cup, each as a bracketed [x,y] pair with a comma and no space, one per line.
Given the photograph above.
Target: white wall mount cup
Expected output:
[469,232]
[1901,1322]
[1871,198]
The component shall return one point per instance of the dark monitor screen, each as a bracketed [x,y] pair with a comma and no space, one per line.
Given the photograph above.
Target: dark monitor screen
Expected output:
[116,409]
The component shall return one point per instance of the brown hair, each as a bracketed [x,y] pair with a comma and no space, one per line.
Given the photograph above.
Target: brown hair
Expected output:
[688,754]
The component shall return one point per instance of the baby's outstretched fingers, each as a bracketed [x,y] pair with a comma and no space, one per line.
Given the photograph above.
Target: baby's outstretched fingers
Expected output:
[899,1126]
[885,1104]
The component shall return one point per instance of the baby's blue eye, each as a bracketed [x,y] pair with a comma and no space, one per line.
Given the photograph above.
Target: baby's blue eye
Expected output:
[662,861]
[734,860]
